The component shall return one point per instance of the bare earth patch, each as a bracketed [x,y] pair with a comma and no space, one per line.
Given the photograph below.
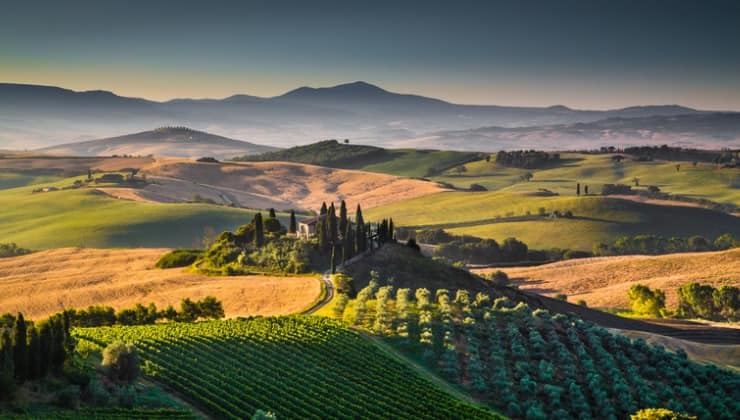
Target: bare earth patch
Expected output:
[46,282]
[603,282]
[281,185]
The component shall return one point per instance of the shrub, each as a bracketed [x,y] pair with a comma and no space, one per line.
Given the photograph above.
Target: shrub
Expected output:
[68,397]
[121,362]
[500,278]
[660,414]
[12,250]
[581,302]
[562,296]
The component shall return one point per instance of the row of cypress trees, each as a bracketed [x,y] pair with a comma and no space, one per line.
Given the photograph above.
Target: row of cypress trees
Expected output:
[29,352]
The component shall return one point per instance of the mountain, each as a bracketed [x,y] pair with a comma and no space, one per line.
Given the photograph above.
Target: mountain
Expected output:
[697,130]
[38,116]
[165,141]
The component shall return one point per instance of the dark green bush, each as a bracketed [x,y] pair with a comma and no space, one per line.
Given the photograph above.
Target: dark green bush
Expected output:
[179,258]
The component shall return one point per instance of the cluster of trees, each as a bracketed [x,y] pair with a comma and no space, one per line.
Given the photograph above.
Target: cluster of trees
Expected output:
[30,351]
[694,301]
[666,152]
[12,250]
[616,189]
[655,244]
[529,159]
[330,153]
[98,316]
[473,250]
[704,301]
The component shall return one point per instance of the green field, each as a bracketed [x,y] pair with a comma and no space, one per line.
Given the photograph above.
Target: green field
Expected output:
[704,180]
[536,365]
[85,217]
[297,367]
[417,163]
[9,179]
[499,215]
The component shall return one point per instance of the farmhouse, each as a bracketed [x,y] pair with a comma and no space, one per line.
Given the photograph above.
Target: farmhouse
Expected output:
[307,227]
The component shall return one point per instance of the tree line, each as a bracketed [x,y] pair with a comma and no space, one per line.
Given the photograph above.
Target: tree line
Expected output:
[655,245]
[528,159]
[695,300]
[101,316]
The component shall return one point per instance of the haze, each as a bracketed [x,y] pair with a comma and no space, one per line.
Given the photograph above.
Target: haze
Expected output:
[588,55]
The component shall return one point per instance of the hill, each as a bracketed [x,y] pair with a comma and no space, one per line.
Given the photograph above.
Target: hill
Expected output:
[87,217]
[604,282]
[38,116]
[46,282]
[325,370]
[528,362]
[405,162]
[703,180]
[503,214]
[165,141]
[714,130]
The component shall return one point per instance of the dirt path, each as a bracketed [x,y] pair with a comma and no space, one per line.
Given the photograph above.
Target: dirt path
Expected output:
[328,295]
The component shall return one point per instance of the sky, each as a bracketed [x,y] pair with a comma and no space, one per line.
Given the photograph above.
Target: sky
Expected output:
[588,54]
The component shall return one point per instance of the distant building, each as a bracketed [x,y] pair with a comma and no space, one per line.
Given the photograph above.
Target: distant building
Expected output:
[307,227]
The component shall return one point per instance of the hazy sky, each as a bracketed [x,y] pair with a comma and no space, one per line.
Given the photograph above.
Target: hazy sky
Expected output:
[584,54]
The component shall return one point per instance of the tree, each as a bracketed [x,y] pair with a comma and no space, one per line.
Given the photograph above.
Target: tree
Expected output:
[293,227]
[332,263]
[348,243]
[20,349]
[725,241]
[343,222]
[268,415]
[585,190]
[189,310]
[727,301]
[272,213]
[578,188]
[527,176]
[323,209]
[514,250]
[645,301]
[360,234]
[259,232]
[210,307]
[121,361]
[7,367]
[332,224]
[696,299]
[34,353]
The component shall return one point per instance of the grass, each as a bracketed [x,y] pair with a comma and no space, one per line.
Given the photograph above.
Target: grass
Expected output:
[46,282]
[85,217]
[596,219]
[11,179]
[417,163]
[604,282]
[702,181]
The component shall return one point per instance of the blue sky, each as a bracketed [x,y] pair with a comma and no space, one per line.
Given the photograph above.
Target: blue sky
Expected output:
[584,54]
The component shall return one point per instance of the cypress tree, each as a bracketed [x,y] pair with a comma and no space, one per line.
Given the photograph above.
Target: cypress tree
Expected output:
[323,209]
[272,213]
[343,218]
[348,244]
[7,368]
[322,233]
[360,237]
[45,338]
[391,236]
[578,188]
[34,353]
[332,264]
[259,230]
[293,227]
[57,343]
[20,349]
[333,231]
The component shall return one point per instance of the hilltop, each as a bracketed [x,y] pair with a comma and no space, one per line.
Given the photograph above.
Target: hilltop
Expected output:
[405,162]
[165,141]
[604,282]
[41,115]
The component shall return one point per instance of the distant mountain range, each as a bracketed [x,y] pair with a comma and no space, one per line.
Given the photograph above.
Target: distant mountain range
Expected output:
[166,141]
[41,116]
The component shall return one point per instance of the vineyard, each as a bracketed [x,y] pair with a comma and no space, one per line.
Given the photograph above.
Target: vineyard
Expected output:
[533,365]
[297,367]
[110,414]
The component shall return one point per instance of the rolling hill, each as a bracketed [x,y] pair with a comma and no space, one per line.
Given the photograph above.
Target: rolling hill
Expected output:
[404,162]
[165,141]
[46,282]
[502,214]
[39,116]
[604,282]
